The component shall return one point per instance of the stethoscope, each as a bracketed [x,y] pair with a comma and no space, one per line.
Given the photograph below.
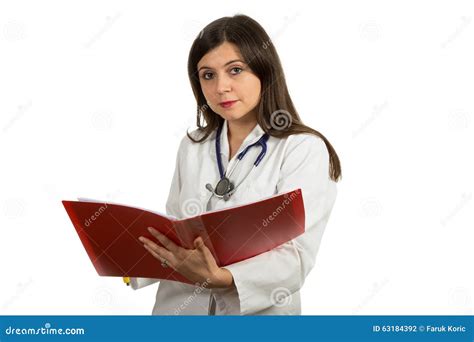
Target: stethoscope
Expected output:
[225,188]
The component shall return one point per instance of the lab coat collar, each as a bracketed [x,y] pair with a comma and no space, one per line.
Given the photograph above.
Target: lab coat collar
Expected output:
[253,137]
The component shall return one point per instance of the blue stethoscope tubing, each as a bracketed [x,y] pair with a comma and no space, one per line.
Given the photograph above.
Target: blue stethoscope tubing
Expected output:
[224,187]
[262,142]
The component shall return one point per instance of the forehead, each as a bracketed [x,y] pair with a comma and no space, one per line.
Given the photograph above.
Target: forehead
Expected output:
[220,55]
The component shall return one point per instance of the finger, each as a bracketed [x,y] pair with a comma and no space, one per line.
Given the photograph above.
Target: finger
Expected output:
[170,245]
[201,247]
[152,252]
[198,242]
[159,257]
[161,251]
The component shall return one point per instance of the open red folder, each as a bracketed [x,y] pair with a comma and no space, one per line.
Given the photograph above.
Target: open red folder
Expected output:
[110,232]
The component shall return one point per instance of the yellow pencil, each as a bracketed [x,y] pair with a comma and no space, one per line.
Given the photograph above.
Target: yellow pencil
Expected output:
[126,280]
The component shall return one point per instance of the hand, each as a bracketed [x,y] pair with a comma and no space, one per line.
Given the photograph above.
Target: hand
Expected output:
[198,264]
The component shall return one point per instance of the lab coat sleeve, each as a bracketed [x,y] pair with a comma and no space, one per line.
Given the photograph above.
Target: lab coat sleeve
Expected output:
[260,281]
[172,208]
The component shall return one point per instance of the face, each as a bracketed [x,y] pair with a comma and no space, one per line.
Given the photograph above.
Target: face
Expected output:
[224,76]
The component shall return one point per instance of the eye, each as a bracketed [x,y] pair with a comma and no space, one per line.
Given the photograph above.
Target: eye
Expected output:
[205,75]
[236,68]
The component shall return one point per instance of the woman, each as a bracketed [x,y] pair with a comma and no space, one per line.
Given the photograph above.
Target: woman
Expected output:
[241,94]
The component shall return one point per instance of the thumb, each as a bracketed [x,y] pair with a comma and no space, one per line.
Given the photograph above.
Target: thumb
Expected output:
[198,242]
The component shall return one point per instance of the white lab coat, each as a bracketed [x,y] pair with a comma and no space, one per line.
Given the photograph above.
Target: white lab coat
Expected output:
[269,283]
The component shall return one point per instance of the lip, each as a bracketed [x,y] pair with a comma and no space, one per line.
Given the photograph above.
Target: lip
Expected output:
[227,104]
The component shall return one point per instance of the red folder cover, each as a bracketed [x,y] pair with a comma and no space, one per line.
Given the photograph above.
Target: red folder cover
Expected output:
[110,232]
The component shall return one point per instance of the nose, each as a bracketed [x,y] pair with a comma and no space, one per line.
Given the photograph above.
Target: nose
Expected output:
[223,84]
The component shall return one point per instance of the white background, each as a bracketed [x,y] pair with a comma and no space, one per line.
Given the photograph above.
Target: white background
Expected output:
[94,99]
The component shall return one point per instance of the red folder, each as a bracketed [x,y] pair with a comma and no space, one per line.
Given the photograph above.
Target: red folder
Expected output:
[109,233]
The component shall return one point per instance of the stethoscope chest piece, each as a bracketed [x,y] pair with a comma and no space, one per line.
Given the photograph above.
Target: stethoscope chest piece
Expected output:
[223,188]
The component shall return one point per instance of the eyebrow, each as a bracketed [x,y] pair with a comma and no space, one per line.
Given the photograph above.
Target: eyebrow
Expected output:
[230,62]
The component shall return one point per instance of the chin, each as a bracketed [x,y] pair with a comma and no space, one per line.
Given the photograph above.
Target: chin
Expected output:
[231,116]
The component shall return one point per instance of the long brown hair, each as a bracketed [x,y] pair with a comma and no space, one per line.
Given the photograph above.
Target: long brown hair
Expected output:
[276,113]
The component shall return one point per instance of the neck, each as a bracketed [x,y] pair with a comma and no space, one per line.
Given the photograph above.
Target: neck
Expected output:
[239,130]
